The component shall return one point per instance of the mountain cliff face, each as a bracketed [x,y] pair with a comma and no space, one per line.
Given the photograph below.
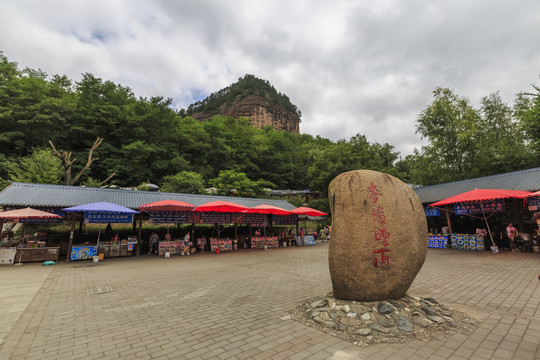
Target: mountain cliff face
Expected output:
[260,111]
[250,98]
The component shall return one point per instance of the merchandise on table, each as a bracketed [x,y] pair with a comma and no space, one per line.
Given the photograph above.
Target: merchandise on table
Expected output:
[222,244]
[260,242]
[438,241]
[467,242]
[171,247]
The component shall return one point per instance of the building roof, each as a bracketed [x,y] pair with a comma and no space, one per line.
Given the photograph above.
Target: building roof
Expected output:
[527,180]
[62,196]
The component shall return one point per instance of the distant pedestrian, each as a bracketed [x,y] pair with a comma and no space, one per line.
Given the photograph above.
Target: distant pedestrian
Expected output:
[512,233]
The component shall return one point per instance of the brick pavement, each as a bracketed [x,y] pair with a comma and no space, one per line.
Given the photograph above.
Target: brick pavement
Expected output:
[235,306]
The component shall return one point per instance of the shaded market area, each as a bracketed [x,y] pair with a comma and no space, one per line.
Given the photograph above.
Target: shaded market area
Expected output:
[494,213]
[158,223]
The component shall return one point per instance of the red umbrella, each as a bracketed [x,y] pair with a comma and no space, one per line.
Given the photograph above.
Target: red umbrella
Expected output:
[221,206]
[167,205]
[308,211]
[25,214]
[483,194]
[268,209]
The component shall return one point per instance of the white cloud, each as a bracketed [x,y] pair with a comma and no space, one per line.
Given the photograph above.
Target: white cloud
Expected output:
[350,66]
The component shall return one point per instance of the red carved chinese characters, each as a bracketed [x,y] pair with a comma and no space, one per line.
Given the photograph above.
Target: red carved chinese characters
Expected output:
[381,254]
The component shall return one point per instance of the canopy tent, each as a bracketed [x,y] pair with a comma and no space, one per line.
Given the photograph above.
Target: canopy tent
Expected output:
[101,206]
[167,205]
[480,196]
[268,209]
[308,211]
[18,215]
[100,212]
[26,213]
[23,215]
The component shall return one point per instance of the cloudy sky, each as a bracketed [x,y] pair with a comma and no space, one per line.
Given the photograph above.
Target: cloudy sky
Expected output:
[352,67]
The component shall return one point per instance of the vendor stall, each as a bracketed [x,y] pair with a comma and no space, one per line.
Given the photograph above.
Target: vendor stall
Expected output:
[102,213]
[29,250]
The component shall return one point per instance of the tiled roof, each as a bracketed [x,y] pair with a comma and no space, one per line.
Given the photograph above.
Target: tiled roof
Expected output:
[61,196]
[528,180]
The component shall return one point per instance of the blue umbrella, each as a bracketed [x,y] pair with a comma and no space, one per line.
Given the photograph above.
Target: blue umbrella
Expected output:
[101,206]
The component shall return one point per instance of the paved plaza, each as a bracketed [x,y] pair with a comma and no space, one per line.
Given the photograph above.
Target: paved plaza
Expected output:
[235,306]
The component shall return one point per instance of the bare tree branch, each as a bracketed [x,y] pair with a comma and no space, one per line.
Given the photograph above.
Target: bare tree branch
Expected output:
[67,162]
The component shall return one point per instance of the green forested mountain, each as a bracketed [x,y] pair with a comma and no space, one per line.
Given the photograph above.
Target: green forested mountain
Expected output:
[145,140]
[247,85]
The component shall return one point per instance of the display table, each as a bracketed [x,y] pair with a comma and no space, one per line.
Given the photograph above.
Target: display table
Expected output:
[171,247]
[438,241]
[467,242]
[115,250]
[222,244]
[260,242]
[37,254]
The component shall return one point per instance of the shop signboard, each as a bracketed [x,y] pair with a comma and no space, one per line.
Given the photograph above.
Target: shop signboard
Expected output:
[432,211]
[488,206]
[260,220]
[7,256]
[83,252]
[97,217]
[285,219]
[215,218]
[533,203]
[169,217]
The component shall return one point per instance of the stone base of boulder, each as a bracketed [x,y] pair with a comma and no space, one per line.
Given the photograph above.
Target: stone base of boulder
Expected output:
[376,322]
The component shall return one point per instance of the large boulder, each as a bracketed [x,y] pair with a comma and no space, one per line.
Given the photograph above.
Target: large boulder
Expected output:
[379,236]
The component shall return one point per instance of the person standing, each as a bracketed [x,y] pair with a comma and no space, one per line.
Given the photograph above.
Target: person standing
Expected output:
[512,233]
[153,243]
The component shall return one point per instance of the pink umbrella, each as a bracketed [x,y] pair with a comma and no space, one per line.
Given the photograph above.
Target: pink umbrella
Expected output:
[308,211]
[167,205]
[25,214]
[268,209]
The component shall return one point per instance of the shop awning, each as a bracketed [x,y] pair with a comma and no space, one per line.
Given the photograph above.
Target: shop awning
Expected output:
[268,209]
[26,213]
[481,195]
[221,206]
[167,205]
[308,211]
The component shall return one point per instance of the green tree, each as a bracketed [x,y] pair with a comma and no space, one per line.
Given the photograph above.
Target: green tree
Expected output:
[451,125]
[232,183]
[345,156]
[41,167]
[527,110]
[185,182]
